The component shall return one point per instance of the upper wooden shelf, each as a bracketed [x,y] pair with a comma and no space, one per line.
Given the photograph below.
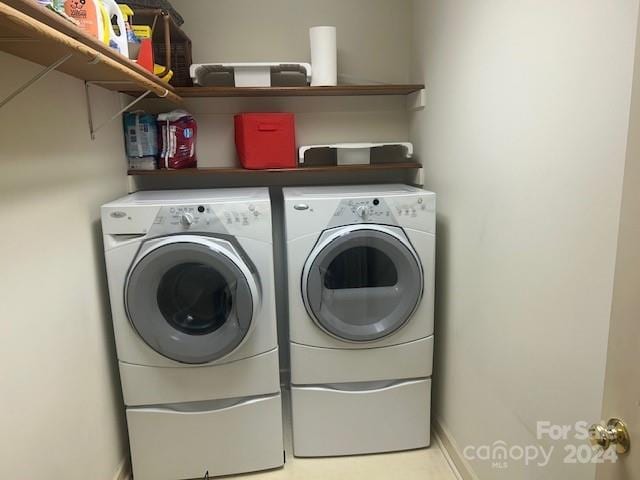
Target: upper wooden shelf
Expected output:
[338,91]
[37,34]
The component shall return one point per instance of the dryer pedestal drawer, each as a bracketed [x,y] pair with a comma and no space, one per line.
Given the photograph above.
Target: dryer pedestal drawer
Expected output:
[315,366]
[348,419]
[222,437]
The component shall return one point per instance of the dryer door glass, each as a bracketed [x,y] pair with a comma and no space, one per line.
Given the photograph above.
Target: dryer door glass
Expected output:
[364,285]
[189,303]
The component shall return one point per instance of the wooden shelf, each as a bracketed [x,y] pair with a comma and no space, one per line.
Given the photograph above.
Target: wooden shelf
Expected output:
[37,34]
[338,91]
[34,33]
[288,171]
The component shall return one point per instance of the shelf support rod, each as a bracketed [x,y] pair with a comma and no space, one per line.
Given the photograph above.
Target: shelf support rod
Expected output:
[93,130]
[43,73]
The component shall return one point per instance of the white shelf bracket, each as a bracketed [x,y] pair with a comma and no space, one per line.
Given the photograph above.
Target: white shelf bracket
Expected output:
[418,177]
[417,100]
[93,130]
[35,79]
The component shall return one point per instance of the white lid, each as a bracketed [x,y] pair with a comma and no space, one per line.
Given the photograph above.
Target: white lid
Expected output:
[218,195]
[347,191]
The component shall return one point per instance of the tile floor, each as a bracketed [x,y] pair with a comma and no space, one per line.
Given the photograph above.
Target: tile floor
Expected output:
[422,464]
[427,463]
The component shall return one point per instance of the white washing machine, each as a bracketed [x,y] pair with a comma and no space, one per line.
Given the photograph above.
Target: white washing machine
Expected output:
[192,297]
[361,292]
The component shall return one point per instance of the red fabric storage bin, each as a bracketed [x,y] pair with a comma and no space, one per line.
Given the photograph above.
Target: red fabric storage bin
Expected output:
[266,140]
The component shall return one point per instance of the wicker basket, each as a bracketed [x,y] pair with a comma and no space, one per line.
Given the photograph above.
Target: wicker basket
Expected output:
[157,5]
[180,54]
[171,46]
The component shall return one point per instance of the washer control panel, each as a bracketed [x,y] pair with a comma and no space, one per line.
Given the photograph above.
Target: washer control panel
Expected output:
[410,208]
[225,218]
[242,217]
[186,217]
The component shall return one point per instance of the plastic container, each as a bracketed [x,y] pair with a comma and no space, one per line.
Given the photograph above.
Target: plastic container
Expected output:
[91,16]
[142,31]
[133,42]
[55,5]
[145,55]
[118,31]
[266,140]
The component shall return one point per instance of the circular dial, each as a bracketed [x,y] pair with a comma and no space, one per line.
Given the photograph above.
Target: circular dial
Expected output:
[362,211]
[186,219]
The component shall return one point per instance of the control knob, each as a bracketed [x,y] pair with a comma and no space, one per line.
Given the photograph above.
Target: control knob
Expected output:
[362,211]
[186,219]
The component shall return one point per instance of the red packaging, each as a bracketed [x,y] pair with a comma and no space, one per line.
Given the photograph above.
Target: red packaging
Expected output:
[266,140]
[145,54]
[178,132]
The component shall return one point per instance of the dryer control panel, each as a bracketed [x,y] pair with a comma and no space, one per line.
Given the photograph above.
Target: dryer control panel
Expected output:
[313,209]
[362,210]
[413,211]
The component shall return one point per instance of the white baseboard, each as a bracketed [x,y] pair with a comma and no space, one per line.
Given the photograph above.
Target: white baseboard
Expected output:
[124,470]
[438,440]
[452,452]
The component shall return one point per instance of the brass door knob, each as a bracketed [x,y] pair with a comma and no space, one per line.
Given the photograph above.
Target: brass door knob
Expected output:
[614,433]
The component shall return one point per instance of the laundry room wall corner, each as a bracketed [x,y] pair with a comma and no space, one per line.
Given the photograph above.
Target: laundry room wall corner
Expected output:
[524,140]
[62,414]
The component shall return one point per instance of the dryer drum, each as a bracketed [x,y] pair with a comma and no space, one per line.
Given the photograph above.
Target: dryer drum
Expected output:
[363,285]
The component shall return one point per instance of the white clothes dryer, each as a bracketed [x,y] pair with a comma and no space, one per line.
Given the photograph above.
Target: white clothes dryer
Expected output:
[361,292]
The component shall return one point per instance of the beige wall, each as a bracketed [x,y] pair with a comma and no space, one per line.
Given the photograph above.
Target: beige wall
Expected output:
[61,412]
[319,120]
[374,43]
[373,38]
[524,140]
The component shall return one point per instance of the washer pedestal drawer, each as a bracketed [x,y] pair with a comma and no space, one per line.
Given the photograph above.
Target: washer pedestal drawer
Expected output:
[221,437]
[358,418]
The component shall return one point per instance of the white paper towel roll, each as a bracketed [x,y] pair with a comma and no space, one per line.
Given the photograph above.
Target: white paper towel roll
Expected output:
[324,56]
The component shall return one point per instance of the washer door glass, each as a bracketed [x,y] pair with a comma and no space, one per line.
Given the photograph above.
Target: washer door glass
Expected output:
[189,302]
[363,285]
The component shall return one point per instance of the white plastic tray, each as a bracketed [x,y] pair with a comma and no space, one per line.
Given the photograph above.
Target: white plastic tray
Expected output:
[355,153]
[255,74]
